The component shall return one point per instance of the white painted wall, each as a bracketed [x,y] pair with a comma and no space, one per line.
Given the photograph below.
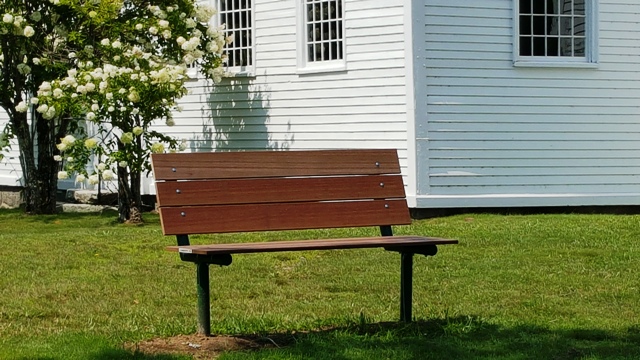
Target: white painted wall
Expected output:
[497,135]
[362,107]
[10,171]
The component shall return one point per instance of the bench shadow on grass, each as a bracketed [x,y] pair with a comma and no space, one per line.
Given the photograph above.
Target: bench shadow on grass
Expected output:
[466,337]
[462,337]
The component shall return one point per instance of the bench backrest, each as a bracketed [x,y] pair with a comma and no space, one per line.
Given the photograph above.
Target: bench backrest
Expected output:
[278,190]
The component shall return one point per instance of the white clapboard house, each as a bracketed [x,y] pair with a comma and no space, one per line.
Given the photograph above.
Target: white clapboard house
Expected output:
[490,103]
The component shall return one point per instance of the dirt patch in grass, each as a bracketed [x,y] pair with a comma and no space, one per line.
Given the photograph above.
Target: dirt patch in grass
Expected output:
[205,347]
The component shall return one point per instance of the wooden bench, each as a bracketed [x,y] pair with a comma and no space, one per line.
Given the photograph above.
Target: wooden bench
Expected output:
[222,192]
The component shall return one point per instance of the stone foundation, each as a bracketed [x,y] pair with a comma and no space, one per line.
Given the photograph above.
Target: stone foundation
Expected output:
[79,196]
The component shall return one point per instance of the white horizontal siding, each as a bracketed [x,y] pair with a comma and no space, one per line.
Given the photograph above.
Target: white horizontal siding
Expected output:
[10,170]
[362,107]
[496,135]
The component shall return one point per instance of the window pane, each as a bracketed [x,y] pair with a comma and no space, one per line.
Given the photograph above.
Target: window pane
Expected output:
[579,46]
[539,46]
[236,20]
[579,7]
[566,47]
[325,31]
[525,46]
[552,25]
[538,7]
[325,11]
[552,46]
[579,26]
[566,28]
[334,30]
[525,25]
[552,7]
[539,26]
[525,6]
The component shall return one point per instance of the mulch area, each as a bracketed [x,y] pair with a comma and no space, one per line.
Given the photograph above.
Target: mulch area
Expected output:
[206,347]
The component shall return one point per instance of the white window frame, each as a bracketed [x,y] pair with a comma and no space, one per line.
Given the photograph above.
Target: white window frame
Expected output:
[248,70]
[308,67]
[590,60]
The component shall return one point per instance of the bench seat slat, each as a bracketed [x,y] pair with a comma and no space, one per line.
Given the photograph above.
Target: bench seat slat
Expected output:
[299,245]
[246,191]
[282,216]
[231,165]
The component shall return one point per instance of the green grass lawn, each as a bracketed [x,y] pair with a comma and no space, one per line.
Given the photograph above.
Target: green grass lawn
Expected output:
[516,287]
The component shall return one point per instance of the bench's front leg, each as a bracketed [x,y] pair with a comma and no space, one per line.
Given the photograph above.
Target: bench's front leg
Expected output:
[406,276]
[406,286]
[204,309]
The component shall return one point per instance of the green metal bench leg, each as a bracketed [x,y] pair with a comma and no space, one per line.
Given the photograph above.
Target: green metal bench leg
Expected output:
[406,286]
[406,277]
[204,309]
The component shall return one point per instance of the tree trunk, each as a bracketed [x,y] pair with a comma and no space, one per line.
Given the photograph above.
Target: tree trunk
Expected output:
[129,196]
[39,170]
[124,195]
[135,214]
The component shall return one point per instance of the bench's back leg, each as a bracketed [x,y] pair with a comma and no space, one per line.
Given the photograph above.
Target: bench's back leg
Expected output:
[406,286]
[204,310]
[386,230]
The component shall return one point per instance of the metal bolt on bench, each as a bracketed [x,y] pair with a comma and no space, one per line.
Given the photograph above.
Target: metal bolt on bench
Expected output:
[205,193]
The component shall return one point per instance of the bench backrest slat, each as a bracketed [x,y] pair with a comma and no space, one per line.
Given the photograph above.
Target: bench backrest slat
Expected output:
[278,190]
[256,191]
[237,165]
[285,216]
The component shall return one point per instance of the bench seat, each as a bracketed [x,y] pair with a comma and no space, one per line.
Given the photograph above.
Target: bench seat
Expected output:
[322,244]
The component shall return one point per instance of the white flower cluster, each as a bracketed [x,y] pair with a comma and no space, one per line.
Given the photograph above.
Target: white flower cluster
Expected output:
[168,74]
[65,142]
[204,13]
[17,24]
[106,173]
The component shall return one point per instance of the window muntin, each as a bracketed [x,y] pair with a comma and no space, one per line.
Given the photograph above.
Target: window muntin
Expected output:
[555,30]
[324,30]
[237,16]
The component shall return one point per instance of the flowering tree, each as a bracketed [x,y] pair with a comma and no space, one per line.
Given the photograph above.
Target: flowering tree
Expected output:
[125,74]
[31,31]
